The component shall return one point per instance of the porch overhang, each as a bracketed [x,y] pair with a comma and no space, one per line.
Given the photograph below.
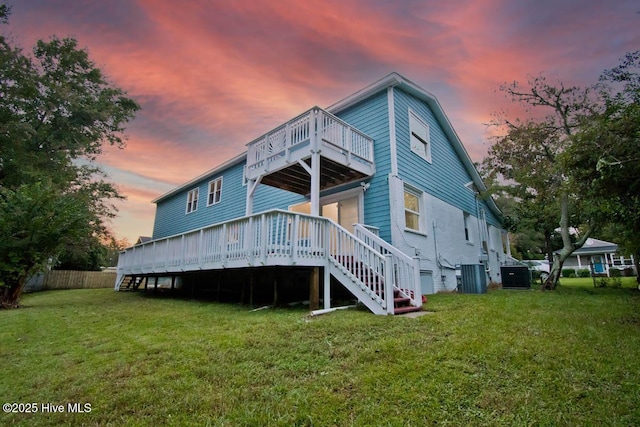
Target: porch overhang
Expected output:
[296,179]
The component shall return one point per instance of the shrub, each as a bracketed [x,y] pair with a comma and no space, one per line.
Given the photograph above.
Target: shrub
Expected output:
[535,274]
[614,272]
[602,282]
[584,272]
[568,272]
[615,282]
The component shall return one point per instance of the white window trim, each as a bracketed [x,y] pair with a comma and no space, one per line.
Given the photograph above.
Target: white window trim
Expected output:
[422,210]
[192,196]
[426,155]
[215,188]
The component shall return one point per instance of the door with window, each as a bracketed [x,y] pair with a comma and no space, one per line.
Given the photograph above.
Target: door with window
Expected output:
[345,210]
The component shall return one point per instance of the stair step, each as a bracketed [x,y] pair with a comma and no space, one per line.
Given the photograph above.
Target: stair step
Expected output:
[407,309]
[401,300]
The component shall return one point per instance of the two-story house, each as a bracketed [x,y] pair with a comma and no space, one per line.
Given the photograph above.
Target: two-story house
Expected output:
[375,191]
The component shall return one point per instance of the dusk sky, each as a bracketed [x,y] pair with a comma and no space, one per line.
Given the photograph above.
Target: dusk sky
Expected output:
[213,75]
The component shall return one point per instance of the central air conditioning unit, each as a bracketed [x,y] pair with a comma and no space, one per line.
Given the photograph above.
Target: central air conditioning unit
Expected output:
[473,279]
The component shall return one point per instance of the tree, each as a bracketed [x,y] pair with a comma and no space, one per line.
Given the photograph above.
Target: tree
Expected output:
[577,167]
[527,159]
[604,159]
[57,110]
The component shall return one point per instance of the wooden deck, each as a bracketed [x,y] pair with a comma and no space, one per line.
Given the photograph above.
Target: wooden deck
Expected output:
[375,275]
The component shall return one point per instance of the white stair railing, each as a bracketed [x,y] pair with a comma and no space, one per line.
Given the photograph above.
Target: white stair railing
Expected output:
[406,270]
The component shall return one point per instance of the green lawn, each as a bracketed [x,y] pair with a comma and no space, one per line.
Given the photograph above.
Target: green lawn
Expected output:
[568,357]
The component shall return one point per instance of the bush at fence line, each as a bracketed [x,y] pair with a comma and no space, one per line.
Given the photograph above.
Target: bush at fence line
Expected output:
[568,272]
[584,272]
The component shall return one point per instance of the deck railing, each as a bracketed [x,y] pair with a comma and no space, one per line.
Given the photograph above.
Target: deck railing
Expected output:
[406,270]
[312,128]
[275,238]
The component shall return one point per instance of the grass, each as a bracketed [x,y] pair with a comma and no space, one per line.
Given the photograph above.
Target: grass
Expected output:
[568,357]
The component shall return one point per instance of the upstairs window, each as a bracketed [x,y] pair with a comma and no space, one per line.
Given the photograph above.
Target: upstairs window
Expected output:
[419,137]
[412,210]
[215,191]
[192,200]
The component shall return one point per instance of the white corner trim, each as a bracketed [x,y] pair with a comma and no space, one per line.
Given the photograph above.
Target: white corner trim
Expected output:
[392,132]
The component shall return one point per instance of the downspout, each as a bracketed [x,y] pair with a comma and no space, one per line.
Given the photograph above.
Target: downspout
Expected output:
[438,263]
[481,228]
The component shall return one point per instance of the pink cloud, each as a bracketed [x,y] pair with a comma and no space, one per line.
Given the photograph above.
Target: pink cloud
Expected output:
[211,76]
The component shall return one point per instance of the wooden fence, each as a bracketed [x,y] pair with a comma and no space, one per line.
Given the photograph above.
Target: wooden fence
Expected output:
[68,279]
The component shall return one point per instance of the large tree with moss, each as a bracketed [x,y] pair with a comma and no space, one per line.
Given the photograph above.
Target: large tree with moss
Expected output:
[57,111]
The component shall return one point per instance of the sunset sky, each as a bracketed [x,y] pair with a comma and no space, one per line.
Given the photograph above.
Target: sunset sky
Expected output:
[212,75]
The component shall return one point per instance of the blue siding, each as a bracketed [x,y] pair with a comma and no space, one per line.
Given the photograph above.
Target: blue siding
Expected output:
[371,117]
[267,198]
[171,216]
[446,175]
[444,178]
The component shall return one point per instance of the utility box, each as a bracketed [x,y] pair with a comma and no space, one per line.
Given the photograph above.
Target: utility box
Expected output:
[473,279]
[515,277]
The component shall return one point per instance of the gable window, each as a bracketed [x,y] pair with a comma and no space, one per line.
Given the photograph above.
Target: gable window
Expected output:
[215,191]
[412,210]
[192,200]
[419,137]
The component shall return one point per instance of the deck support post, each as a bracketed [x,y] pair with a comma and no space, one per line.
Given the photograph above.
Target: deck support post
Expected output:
[275,290]
[315,183]
[314,289]
[251,284]
[327,288]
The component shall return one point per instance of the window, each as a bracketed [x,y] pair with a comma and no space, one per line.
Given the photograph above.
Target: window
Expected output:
[467,227]
[192,200]
[215,191]
[412,210]
[419,137]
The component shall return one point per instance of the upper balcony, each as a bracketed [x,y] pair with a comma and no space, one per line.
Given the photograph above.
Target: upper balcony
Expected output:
[282,158]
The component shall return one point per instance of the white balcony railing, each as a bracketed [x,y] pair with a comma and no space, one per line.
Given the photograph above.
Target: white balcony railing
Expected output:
[313,129]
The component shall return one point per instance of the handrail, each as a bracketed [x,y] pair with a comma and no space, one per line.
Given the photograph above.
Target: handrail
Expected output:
[310,127]
[406,276]
[272,235]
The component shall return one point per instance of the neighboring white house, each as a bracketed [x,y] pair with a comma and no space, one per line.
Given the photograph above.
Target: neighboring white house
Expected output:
[601,254]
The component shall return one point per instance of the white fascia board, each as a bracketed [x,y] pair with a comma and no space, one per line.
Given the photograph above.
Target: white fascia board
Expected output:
[235,160]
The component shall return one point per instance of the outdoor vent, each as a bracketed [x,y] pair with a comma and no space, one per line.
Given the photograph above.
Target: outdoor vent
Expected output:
[473,279]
